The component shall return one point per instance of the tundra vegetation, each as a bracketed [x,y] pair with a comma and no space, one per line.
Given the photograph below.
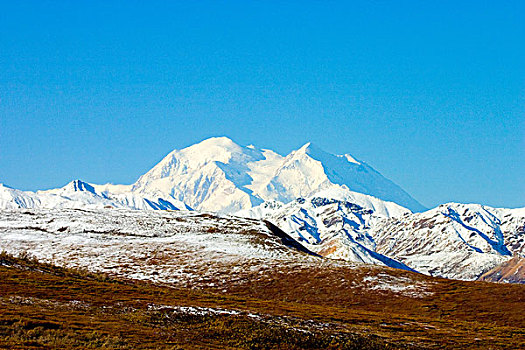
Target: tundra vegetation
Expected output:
[45,306]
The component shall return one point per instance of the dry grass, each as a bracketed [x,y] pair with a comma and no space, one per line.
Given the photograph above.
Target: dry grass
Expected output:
[43,306]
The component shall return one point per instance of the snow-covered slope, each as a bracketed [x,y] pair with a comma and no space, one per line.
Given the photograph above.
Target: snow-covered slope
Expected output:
[180,247]
[79,194]
[189,249]
[11,198]
[333,223]
[453,240]
[310,169]
[461,241]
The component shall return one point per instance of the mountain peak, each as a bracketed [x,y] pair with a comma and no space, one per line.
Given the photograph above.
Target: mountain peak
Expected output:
[218,141]
[79,186]
[213,149]
[320,154]
[309,147]
[305,147]
[312,150]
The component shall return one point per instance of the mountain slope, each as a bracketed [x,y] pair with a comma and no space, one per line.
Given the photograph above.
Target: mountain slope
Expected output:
[220,282]
[141,244]
[11,198]
[310,169]
[453,240]
[511,271]
[460,241]
[333,223]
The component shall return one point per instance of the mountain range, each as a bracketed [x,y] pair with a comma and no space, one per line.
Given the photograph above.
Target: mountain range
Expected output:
[335,206]
[220,176]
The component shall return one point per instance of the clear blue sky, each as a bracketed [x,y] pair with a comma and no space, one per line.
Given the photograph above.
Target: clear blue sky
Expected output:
[430,93]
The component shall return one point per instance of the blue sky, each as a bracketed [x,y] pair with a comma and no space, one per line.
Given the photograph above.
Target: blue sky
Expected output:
[430,93]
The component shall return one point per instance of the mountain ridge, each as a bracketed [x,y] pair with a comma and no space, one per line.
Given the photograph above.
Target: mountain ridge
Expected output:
[219,175]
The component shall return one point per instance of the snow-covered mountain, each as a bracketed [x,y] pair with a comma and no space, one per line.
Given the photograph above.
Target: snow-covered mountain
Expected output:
[334,205]
[454,240]
[214,175]
[310,169]
[219,175]
[78,194]
[333,223]
[461,241]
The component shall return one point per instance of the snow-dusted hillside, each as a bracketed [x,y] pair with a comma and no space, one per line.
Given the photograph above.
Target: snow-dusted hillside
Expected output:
[461,241]
[333,223]
[179,247]
[453,240]
[186,249]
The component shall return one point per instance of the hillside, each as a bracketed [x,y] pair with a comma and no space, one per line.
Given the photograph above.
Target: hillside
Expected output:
[333,307]
[460,241]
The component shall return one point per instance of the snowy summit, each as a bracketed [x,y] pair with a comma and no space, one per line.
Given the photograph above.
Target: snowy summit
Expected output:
[221,176]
